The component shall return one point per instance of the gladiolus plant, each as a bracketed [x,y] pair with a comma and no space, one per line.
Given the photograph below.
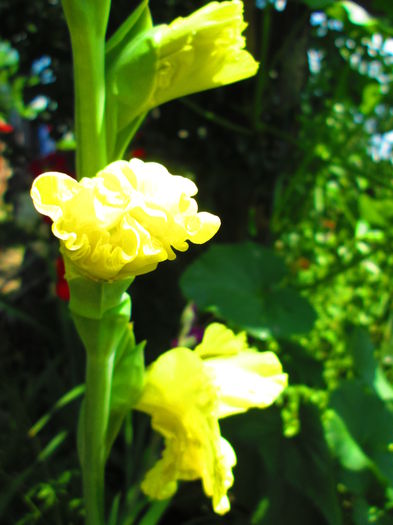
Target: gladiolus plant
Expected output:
[119,220]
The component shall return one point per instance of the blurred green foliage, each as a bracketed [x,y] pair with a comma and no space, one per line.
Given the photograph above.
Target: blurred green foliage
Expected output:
[298,164]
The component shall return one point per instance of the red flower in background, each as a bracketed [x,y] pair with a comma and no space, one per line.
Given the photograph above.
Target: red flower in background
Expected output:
[5,127]
[138,153]
[62,289]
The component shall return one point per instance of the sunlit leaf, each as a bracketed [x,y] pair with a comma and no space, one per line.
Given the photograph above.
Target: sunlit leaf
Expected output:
[243,284]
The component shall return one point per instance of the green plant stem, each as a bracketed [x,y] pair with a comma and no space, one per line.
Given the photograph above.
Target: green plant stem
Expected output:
[89,80]
[99,371]
[87,22]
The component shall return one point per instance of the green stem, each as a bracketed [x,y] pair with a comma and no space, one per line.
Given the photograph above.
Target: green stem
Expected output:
[87,21]
[89,80]
[99,371]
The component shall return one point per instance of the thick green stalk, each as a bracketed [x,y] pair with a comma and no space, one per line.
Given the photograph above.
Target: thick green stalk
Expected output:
[101,313]
[99,370]
[89,80]
[87,21]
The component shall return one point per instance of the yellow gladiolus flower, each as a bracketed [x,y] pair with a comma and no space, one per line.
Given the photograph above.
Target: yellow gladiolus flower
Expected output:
[123,221]
[202,51]
[186,392]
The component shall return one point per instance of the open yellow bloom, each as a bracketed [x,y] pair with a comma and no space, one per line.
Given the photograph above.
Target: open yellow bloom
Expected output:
[202,51]
[123,221]
[187,391]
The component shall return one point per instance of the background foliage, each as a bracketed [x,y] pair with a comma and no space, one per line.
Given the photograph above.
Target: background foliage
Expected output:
[298,164]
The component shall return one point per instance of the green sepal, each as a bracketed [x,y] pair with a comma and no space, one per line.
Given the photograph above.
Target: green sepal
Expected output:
[127,384]
[130,82]
[125,136]
[101,337]
[117,55]
[139,20]
[100,310]
[93,299]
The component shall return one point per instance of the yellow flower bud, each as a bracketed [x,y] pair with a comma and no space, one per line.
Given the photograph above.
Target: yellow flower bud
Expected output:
[186,392]
[123,221]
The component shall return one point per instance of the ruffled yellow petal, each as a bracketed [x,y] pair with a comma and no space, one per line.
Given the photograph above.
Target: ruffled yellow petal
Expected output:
[248,380]
[243,377]
[181,399]
[124,221]
[202,51]
[218,340]
[186,392]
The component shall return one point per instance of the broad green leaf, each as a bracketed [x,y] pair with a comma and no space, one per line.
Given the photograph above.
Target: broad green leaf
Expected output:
[366,367]
[369,421]
[242,283]
[298,470]
[342,444]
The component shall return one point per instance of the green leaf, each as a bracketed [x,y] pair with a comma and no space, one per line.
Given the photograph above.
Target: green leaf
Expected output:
[362,350]
[114,512]
[128,378]
[9,57]
[52,446]
[372,95]
[301,367]
[242,283]
[309,466]
[155,512]
[369,422]
[366,367]
[342,444]
[298,470]
[127,383]
[67,398]
[377,212]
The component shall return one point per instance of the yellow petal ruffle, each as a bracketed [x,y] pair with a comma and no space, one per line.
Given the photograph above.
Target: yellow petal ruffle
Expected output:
[202,51]
[180,397]
[125,220]
[243,377]
[186,392]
